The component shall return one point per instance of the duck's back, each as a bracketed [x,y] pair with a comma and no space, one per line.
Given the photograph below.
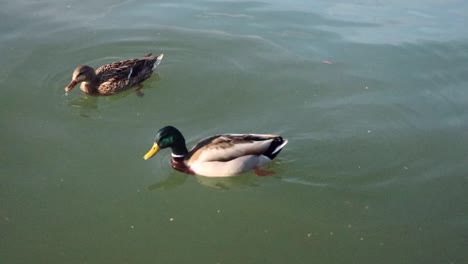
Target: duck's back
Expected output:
[121,75]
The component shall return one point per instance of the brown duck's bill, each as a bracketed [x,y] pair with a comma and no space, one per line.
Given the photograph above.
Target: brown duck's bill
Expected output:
[152,151]
[71,86]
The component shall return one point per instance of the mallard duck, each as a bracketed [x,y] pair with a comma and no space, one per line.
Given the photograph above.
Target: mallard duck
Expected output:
[115,77]
[219,155]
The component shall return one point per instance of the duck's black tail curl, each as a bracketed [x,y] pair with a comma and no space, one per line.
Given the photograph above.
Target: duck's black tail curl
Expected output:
[275,147]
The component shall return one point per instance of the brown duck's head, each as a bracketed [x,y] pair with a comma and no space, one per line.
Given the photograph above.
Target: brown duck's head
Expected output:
[82,73]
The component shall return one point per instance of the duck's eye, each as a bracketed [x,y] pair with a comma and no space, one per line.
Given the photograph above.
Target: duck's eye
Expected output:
[83,72]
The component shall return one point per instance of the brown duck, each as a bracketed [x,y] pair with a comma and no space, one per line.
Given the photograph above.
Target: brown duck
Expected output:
[116,77]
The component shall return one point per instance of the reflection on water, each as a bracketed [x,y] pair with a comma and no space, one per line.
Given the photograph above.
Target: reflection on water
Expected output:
[86,105]
[171,182]
[227,183]
[221,183]
[86,102]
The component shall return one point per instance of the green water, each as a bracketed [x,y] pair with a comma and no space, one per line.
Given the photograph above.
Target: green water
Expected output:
[372,96]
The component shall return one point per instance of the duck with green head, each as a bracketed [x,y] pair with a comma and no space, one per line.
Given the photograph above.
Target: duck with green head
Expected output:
[220,155]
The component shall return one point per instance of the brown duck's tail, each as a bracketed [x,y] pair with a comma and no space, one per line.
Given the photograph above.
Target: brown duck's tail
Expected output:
[158,60]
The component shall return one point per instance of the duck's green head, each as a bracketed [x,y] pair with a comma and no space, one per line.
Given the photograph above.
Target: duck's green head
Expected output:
[168,137]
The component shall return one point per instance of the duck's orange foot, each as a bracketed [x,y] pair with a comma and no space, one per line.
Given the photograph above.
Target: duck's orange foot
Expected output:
[261,172]
[139,93]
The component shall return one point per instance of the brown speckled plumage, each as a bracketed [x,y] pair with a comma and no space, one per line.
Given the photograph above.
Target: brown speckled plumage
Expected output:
[114,77]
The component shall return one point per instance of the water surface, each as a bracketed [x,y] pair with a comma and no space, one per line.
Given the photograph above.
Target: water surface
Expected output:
[371,95]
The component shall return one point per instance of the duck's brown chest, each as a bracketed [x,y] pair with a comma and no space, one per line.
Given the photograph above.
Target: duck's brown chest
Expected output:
[179,164]
[88,88]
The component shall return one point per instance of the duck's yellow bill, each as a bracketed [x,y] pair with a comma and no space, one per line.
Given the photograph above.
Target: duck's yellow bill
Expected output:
[152,151]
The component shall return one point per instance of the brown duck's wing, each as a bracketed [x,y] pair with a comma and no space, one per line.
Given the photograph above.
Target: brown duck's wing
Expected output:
[127,69]
[117,70]
[118,76]
[231,146]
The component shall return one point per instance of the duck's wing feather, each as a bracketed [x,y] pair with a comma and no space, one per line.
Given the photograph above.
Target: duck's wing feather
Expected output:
[133,69]
[231,146]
